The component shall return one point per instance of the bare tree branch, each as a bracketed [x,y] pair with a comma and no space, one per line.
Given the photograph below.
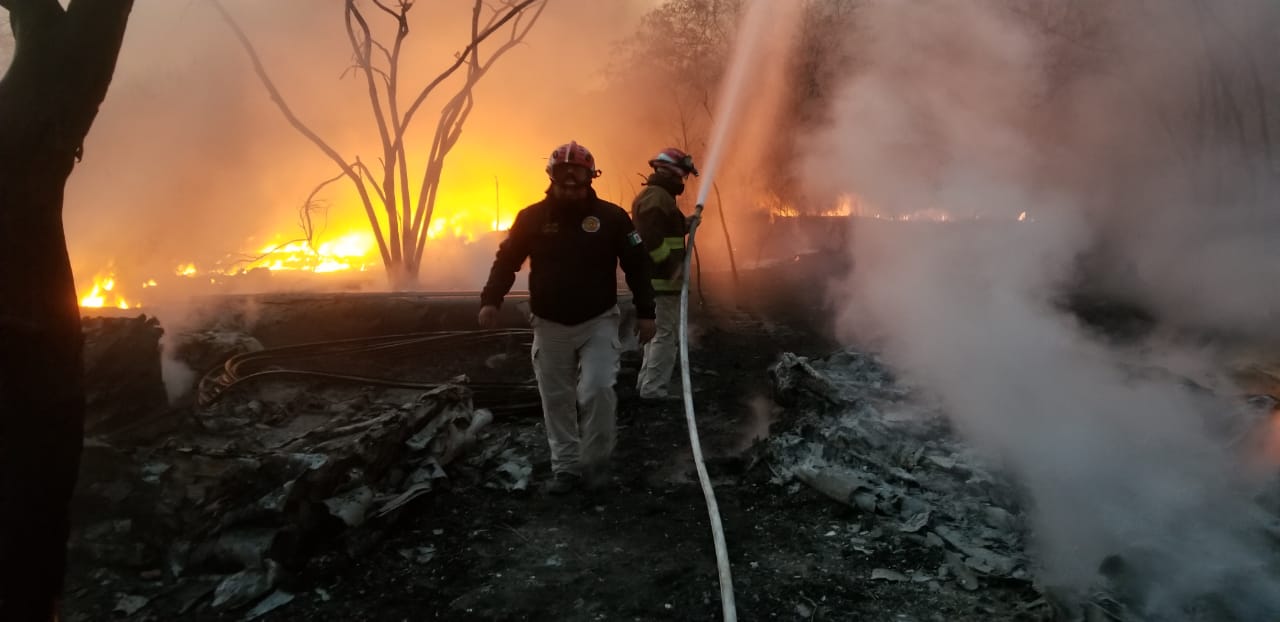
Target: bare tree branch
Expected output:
[386,79]
[393,105]
[456,112]
[728,241]
[310,205]
[304,218]
[407,216]
[382,48]
[511,13]
[435,161]
[388,10]
[302,128]
[363,48]
[364,170]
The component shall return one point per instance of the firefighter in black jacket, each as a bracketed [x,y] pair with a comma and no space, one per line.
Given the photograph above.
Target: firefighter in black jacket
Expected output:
[663,227]
[574,242]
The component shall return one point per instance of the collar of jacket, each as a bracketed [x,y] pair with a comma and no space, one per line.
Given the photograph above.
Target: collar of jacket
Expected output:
[670,183]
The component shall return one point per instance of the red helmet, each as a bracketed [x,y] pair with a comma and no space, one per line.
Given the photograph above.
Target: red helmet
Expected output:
[675,161]
[572,153]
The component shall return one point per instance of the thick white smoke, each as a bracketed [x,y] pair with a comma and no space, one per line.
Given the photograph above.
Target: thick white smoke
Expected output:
[985,112]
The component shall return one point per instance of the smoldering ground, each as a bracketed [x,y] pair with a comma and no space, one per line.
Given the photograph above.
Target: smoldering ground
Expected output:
[1099,123]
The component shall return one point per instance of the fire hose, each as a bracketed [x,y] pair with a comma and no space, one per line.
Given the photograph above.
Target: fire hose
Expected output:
[713,509]
[290,361]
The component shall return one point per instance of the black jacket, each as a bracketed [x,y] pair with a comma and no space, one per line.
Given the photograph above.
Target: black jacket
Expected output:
[573,250]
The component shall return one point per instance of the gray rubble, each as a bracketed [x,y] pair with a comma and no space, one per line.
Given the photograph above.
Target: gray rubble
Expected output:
[248,487]
[123,383]
[858,436]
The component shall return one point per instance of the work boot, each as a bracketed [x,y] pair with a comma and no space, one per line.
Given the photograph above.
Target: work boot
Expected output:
[563,483]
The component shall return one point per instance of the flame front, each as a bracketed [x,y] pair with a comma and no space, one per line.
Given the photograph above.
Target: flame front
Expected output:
[356,249]
[104,294]
[352,251]
[346,244]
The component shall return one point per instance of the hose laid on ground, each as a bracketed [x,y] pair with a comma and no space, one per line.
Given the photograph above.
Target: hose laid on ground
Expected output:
[713,509]
[283,361]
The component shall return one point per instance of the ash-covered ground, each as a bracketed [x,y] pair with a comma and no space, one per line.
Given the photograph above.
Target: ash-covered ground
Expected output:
[398,479]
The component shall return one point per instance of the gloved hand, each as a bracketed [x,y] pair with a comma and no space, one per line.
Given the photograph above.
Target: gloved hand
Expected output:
[488,316]
[645,330]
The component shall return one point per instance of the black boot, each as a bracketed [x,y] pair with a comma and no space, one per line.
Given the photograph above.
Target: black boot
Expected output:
[563,483]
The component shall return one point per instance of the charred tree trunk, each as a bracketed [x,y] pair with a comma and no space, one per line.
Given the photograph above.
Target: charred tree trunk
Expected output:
[63,62]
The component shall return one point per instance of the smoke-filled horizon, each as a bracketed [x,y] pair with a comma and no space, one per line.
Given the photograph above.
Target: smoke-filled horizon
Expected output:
[189,162]
[191,171]
[1109,128]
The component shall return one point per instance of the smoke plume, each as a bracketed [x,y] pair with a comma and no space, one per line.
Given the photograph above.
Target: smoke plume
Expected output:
[1095,124]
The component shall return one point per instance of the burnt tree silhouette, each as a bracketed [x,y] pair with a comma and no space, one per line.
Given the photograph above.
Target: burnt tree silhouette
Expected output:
[63,62]
[400,215]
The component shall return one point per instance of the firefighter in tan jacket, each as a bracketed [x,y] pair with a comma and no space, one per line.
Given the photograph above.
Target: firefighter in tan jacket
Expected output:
[663,226]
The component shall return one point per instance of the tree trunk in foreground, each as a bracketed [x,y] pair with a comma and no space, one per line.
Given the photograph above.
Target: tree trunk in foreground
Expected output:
[63,62]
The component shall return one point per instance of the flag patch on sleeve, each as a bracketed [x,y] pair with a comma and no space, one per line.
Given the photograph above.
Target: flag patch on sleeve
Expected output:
[634,238]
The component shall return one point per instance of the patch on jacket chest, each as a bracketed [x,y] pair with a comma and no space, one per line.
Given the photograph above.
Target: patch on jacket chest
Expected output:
[551,227]
[591,224]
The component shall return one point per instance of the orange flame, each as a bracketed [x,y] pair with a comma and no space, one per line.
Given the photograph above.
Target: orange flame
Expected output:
[352,251]
[852,205]
[347,246]
[104,294]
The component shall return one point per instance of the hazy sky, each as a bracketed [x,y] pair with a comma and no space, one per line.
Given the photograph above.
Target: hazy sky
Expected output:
[189,161]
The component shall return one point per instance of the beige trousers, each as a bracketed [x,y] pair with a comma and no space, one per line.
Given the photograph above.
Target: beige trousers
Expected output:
[661,352]
[576,367]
